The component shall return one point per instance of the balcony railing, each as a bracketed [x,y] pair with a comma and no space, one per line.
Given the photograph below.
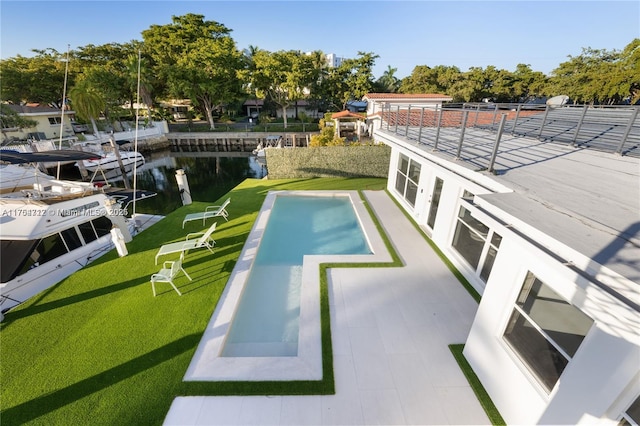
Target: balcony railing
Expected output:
[610,129]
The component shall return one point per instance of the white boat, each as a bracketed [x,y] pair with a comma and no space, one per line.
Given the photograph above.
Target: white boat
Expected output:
[55,228]
[270,142]
[14,178]
[18,171]
[106,165]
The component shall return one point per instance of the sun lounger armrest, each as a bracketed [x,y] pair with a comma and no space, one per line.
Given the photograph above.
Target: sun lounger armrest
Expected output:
[193,234]
[169,263]
[212,208]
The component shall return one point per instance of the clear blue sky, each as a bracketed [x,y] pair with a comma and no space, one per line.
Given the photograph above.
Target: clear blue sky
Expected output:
[403,33]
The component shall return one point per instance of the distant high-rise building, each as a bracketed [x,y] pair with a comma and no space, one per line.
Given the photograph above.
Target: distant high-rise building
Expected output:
[333,61]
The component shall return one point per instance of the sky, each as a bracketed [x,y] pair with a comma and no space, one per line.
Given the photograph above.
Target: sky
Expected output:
[404,34]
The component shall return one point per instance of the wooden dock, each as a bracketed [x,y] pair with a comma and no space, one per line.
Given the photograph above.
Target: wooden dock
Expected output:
[233,141]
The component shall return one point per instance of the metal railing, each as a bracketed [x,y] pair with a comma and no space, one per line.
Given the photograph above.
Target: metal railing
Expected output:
[614,129]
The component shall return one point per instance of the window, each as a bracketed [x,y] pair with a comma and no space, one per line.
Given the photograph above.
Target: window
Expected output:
[87,231]
[632,415]
[55,120]
[545,331]
[435,202]
[71,239]
[102,225]
[492,252]
[47,249]
[475,242]
[407,178]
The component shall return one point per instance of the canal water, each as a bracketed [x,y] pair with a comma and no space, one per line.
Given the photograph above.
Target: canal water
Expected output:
[210,176]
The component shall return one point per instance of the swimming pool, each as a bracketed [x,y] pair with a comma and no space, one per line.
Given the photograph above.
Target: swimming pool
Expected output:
[266,322]
[217,359]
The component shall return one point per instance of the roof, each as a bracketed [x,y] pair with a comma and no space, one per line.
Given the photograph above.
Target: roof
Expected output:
[583,196]
[36,109]
[406,96]
[260,102]
[347,114]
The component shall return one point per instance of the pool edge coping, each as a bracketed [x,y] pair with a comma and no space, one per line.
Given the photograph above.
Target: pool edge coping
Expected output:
[207,365]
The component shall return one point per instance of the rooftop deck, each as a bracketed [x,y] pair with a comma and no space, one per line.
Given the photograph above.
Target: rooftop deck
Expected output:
[574,171]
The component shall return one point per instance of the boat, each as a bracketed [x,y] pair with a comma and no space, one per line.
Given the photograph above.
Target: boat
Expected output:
[53,228]
[14,178]
[18,171]
[105,164]
[270,142]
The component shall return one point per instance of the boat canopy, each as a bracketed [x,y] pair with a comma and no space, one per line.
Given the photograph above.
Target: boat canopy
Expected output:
[15,157]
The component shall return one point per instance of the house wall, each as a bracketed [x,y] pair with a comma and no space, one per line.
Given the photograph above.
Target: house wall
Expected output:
[51,131]
[603,376]
[291,112]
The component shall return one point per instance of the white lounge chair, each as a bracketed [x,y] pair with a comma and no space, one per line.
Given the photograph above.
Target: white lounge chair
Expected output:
[170,270]
[210,211]
[205,240]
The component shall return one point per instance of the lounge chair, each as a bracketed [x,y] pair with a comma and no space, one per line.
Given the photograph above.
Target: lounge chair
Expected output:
[170,270]
[210,211]
[205,240]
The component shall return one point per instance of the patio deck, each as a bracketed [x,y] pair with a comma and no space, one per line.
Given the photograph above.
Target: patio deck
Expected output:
[391,328]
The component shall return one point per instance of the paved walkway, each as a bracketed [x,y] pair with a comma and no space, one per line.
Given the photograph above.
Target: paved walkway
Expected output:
[391,328]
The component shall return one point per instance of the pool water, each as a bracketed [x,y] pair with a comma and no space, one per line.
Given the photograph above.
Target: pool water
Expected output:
[266,320]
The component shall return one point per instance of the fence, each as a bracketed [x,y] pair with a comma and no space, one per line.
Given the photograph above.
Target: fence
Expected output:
[612,128]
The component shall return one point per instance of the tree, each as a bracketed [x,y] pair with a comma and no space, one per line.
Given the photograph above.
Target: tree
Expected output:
[197,59]
[350,81]
[87,102]
[424,79]
[528,84]
[12,121]
[599,75]
[38,79]
[388,82]
[137,63]
[283,76]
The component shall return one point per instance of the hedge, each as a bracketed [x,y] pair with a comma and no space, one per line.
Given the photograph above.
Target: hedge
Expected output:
[329,161]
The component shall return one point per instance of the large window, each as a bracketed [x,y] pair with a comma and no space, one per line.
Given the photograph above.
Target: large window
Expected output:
[407,178]
[476,243]
[545,331]
[632,415]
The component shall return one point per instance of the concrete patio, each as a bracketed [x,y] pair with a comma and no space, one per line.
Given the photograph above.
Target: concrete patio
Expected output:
[391,328]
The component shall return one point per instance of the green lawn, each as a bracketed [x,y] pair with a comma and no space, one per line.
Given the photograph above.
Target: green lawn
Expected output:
[99,349]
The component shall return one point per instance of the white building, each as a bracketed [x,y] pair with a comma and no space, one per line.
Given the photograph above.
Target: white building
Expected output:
[333,61]
[540,212]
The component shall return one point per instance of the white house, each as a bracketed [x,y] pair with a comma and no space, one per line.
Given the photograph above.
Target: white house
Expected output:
[541,215]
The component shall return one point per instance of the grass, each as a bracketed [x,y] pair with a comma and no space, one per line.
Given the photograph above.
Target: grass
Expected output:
[98,348]
[478,389]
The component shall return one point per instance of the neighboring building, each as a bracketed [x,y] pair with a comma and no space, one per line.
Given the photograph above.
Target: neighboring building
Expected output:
[255,106]
[178,108]
[541,214]
[48,121]
[377,102]
[333,61]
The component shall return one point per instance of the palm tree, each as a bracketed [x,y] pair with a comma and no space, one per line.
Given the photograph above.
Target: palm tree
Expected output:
[146,87]
[87,102]
[388,81]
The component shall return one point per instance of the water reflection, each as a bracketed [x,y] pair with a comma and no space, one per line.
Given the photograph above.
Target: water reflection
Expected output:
[210,175]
